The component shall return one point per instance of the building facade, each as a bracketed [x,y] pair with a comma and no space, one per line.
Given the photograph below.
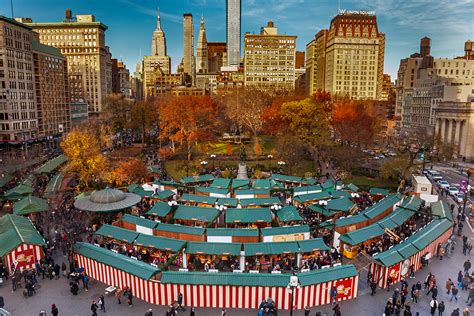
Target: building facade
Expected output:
[124,80]
[348,58]
[269,59]
[188,49]
[51,85]
[233,20]
[18,107]
[158,42]
[82,41]
[217,56]
[202,50]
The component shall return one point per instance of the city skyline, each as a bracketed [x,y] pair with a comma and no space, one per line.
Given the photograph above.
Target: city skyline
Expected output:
[132,23]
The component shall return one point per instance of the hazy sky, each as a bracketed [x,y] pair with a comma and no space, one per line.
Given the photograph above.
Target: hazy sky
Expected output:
[449,23]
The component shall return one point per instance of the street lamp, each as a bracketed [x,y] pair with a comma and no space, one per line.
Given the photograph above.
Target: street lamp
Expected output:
[281,163]
[468,189]
[213,158]
[204,164]
[292,286]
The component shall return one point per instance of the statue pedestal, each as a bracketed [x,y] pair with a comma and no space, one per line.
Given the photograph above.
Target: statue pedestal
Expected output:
[242,173]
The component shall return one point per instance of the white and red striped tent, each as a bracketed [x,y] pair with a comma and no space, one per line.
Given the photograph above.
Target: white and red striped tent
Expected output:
[409,252]
[21,246]
[225,290]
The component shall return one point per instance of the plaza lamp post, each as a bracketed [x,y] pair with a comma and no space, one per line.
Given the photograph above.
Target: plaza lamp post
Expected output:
[281,165]
[221,209]
[204,164]
[468,190]
[291,287]
[270,157]
[213,158]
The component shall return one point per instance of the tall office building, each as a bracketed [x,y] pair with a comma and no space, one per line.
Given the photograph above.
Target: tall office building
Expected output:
[158,42]
[201,50]
[348,58]
[188,48]
[217,56]
[233,18]
[82,41]
[269,59]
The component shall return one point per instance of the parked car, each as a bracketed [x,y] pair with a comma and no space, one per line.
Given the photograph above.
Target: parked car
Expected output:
[443,184]
[459,197]
[437,177]
[453,190]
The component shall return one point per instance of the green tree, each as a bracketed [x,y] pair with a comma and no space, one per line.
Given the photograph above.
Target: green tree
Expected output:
[116,111]
[143,116]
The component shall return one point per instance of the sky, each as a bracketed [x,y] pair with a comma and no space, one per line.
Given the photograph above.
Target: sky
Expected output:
[449,23]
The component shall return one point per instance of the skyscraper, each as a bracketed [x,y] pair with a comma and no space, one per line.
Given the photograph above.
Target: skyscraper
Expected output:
[158,42]
[348,58]
[188,48]
[233,17]
[201,51]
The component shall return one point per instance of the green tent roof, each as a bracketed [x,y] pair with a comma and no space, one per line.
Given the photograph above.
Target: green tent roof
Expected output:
[441,209]
[16,230]
[241,192]
[351,187]
[160,209]
[115,260]
[310,245]
[160,243]
[240,184]
[230,202]
[142,192]
[139,221]
[198,199]
[232,279]
[18,191]
[162,195]
[197,179]
[380,207]
[266,184]
[405,249]
[288,214]
[221,183]
[287,178]
[51,165]
[237,232]
[387,222]
[213,248]
[5,179]
[339,205]
[360,235]
[273,200]
[30,204]
[284,230]
[379,191]
[132,187]
[117,233]
[328,185]
[212,190]
[339,194]
[429,233]
[29,180]
[400,216]
[182,229]
[54,185]
[412,203]
[326,275]
[350,220]
[303,198]
[388,258]
[308,189]
[196,213]
[270,248]
[322,210]
[248,215]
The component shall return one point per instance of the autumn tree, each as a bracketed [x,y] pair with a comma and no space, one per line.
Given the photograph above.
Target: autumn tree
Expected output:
[273,122]
[189,119]
[144,115]
[116,111]
[352,122]
[128,171]
[84,156]
[291,150]
[309,120]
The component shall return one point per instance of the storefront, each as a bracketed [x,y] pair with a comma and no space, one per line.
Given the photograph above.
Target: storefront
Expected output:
[285,233]
[232,235]
[248,218]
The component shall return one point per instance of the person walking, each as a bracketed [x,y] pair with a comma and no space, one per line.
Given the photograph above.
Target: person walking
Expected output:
[85,282]
[454,293]
[460,278]
[389,282]
[467,266]
[149,312]
[118,294]
[180,302]
[337,310]
[373,287]
[434,292]
[414,293]
[466,312]
[307,311]
[130,299]
[57,271]
[192,313]
[470,298]
[54,310]
[94,308]
[455,312]
[434,306]
[333,295]
[441,308]
[449,285]
[102,303]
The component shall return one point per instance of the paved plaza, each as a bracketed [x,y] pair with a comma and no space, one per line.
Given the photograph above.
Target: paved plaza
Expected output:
[57,292]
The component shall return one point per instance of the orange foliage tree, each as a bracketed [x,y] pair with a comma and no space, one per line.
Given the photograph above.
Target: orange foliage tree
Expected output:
[189,119]
[129,171]
[353,122]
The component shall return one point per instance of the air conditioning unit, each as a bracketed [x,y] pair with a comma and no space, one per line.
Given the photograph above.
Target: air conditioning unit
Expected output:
[293,280]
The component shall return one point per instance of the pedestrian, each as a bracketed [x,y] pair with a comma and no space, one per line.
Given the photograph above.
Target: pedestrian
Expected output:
[412,272]
[449,285]
[149,312]
[85,282]
[50,272]
[470,298]
[467,266]
[455,312]
[466,312]
[395,295]
[63,269]
[337,310]
[460,278]
[94,308]
[260,312]
[414,293]
[454,293]
[407,311]
[373,287]
[129,299]
[180,302]
[191,313]
[465,281]
[434,306]
[307,311]
[118,294]
[441,253]
[57,271]
[441,308]
[102,303]
[389,282]
[54,310]
[223,312]
[434,292]
[388,309]
[333,295]
[14,283]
